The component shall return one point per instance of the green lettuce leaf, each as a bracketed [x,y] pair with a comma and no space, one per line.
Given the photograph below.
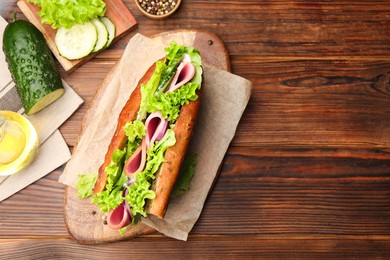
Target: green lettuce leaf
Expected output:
[114,169]
[85,184]
[175,52]
[108,200]
[140,191]
[135,131]
[131,147]
[174,56]
[187,171]
[67,13]
[122,231]
[169,103]
[148,90]
[112,196]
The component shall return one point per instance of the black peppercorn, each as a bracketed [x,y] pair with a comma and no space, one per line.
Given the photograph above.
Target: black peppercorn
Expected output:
[157,7]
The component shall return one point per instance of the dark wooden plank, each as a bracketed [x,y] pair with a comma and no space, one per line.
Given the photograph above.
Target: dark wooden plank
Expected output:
[306,62]
[312,104]
[316,104]
[287,30]
[200,247]
[286,189]
[272,193]
[283,30]
[262,193]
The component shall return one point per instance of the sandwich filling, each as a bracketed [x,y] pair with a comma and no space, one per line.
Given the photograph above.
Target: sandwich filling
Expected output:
[132,169]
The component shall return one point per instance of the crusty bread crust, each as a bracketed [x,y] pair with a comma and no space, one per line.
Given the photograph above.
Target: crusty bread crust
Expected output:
[118,141]
[169,171]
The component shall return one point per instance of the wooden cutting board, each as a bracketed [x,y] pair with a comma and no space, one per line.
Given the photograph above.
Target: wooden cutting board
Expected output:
[83,219]
[115,10]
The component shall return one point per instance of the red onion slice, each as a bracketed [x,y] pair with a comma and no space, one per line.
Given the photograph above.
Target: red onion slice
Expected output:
[119,217]
[185,72]
[156,126]
[136,162]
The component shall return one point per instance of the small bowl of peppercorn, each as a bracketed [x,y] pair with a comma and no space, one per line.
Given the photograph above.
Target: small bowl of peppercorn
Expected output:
[158,9]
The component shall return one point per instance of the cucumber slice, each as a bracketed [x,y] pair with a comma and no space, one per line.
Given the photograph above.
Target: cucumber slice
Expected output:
[102,35]
[110,29]
[76,42]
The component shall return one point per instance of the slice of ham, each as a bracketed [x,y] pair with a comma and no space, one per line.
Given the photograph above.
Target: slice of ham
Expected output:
[185,72]
[156,127]
[119,217]
[136,162]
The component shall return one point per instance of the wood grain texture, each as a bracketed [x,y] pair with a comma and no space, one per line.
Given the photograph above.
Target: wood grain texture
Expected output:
[278,193]
[317,104]
[307,64]
[117,12]
[307,175]
[237,247]
[308,104]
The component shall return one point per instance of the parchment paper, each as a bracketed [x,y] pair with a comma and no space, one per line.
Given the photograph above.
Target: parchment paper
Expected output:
[51,154]
[225,97]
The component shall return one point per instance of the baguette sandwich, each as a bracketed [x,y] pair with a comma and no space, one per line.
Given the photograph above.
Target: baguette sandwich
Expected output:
[146,152]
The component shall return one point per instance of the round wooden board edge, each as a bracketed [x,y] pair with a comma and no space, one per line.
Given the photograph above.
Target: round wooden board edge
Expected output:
[203,40]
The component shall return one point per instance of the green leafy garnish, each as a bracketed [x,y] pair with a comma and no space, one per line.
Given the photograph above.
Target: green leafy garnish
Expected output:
[140,191]
[148,90]
[187,171]
[85,184]
[170,71]
[112,197]
[170,103]
[108,200]
[175,52]
[122,231]
[153,99]
[134,131]
[67,13]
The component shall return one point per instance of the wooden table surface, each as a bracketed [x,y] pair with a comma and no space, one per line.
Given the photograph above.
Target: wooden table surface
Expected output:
[308,173]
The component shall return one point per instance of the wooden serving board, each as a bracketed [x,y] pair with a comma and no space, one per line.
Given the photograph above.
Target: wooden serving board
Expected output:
[84,220]
[118,13]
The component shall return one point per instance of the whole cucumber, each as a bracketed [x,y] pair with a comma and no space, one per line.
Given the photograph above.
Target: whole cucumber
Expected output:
[32,66]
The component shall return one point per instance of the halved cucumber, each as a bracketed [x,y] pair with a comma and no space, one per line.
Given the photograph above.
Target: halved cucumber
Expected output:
[76,42]
[45,101]
[110,29]
[102,35]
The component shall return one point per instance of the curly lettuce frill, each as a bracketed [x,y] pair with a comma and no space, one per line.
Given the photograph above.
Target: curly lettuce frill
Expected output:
[67,13]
